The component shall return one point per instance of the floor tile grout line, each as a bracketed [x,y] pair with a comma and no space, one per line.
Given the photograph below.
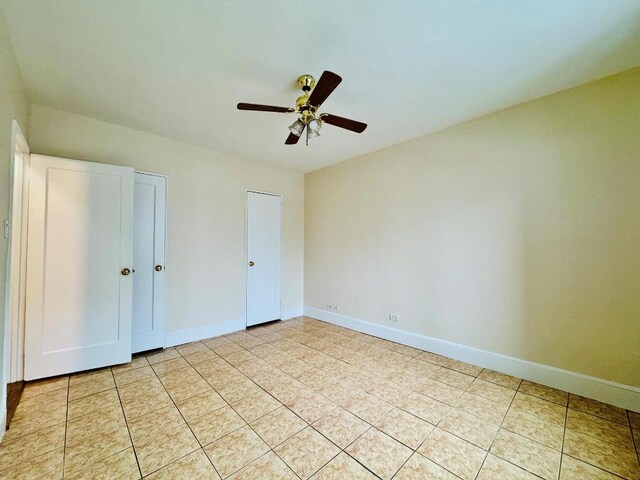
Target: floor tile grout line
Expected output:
[66,426]
[135,453]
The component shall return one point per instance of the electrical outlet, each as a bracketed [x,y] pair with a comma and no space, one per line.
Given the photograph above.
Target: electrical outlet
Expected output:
[335,308]
[394,318]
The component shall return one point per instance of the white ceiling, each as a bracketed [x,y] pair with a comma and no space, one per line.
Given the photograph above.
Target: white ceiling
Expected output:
[409,67]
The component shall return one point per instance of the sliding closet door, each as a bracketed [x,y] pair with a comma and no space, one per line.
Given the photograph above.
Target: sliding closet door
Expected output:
[79,279]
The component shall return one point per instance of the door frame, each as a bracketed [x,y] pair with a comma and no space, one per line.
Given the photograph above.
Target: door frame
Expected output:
[166,249]
[246,249]
[14,306]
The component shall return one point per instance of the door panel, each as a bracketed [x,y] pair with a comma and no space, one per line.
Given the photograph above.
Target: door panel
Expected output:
[78,313]
[264,247]
[149,235]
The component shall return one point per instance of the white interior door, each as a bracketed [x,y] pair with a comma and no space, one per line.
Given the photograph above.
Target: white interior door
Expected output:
[149,234]
[80,246]
[264,252]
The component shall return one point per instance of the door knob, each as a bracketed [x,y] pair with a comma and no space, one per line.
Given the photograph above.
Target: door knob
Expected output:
[158,268]
[251,264]
[125,271]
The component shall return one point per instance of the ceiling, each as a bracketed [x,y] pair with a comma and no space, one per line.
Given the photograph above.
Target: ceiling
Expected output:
[409,67]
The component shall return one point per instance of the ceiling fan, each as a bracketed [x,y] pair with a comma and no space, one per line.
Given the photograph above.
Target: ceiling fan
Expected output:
[307,107]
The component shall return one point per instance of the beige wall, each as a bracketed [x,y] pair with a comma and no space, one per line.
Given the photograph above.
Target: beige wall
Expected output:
[518,232]
[206,211]
[14,104]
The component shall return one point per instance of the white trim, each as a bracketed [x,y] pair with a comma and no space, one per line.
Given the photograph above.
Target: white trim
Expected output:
[3,422]
[179,337]
[13,314]
[291,312]
[624,396]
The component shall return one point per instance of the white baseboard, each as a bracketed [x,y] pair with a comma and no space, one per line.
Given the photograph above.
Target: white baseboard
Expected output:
[613,393]
[3,424]
[291,312]
[178,337]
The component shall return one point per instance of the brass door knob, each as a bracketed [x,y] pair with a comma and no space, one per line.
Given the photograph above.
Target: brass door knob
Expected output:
[251,264]
[158,268]
[125,271]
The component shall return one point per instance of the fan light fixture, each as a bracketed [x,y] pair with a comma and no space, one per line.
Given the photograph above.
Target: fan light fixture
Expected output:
[307,106]
[297,127]
[314,126]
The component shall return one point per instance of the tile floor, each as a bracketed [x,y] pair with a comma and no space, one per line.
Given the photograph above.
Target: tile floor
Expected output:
[305,399]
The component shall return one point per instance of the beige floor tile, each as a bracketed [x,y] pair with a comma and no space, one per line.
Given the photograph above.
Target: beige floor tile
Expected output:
[469,427]
[310,406]
[195,466]
[166,354]
[94,437]
[277,426]
[404,427]
[91,375]
[200,405]
[31,418]
[153,424]
[598,409]
[425,407]
[239,357]
[341,427]
[597,427]
[306,452]
[162,368]
[252,408]
[379,453]
[368,407]
[421,468]
[441,391]
[495,468]
[196,358]
[136,362]
[463,367]
[634,419]
[343,467]
[48,385]
[156,452]
[456,455]
[267,466]
[189,348]
[93,403]
[237,390]
[532,456]
[216,424]
[548,411]
[131,376]
[482,407]
[384,389]
[573,469]
[453,378]
[534,428]
[180,390]
[90,387]
[232,452]
[623,462]
[500,379]
[546,393]
[15,452]
[47,466]
[491,391]
[122,465]
[432,358]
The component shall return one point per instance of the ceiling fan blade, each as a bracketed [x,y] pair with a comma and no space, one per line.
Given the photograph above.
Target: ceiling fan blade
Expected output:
[264,108]
[293,139]
[341,122]
[327,84]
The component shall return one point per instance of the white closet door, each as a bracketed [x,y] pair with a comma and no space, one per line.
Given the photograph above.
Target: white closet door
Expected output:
[149,233]
[264,249]
[80,246]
